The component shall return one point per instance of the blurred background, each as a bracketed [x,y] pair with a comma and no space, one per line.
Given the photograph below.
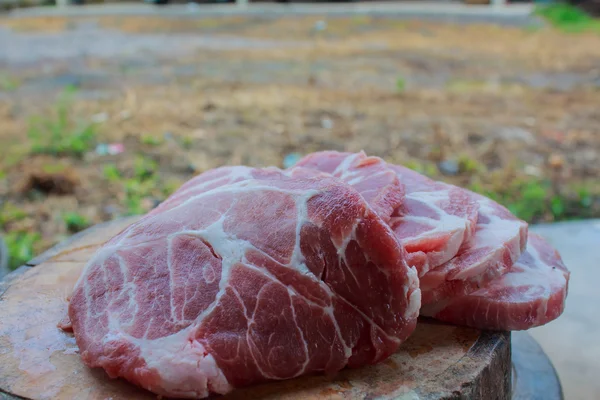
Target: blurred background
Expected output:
[107,107]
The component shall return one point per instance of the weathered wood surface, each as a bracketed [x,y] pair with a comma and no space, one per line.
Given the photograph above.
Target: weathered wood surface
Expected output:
[39,361]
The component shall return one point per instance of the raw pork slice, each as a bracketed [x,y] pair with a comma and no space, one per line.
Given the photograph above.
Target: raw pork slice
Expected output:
[206,181]
[531,294]
[370,176]
[434,220]
[499,240]
[267,278]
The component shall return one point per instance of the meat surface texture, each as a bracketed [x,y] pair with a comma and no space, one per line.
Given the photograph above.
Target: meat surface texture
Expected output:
[243,276]
[531,294]
[434,220]
[370,176]
[497,244]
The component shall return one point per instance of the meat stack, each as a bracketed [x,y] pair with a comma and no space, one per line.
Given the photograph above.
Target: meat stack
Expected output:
[246,275]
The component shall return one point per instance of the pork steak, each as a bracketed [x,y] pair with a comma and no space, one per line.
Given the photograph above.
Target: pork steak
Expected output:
[497,244]
[370,176]
[532,293]
[434,220]
[243,279]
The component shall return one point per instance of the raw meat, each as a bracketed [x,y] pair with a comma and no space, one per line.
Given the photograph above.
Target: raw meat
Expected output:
[370,176]
[499,240]
[434,220]
[531,294]
[206,181]
[229,284]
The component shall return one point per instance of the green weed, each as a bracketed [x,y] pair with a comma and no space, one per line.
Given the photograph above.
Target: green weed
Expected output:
[400,84]
[469,165]
[361,20]
[59,134]
[8,83]
[171,186]
[568,18]
[144,168]
[478,188]
[144,184]
[135,192]
[112,173]
[535,200]
[11,213]
[134,206]
[75,222]
[151,140]
[53,168]
[425,168]
[187,142]
[466,85]
[21,247]
[585,197]
[558,207]
[530,202]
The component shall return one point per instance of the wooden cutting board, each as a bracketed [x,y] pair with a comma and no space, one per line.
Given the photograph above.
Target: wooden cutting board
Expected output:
[39,361]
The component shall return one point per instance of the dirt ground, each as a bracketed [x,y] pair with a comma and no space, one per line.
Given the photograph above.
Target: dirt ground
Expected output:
[510,112]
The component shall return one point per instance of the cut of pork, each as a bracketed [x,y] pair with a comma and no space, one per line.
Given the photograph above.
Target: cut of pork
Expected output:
[370,176]
[266,278]
[531,294]
[206,181]
[434,220]
[497,244]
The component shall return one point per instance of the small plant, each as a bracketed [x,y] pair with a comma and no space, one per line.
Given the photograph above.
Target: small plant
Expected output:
[8,83]
[112,173]
[568,18]
[170,186]
[585,197]
[530,200]
[143,185]
[21,247]
[400,85]
[75,222]
[59,135]
[54,168]
[558,207]
[425,168]
[478,188]
[469,165]
[151,140]
[10,213]
[361,20]
[187,142]
[144,168]
[134,206]
[135,193]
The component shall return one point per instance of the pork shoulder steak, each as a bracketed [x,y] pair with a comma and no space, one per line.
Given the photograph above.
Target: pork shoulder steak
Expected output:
[433,219]
[370,176]
[497,244]
[265,278]
[531,294]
